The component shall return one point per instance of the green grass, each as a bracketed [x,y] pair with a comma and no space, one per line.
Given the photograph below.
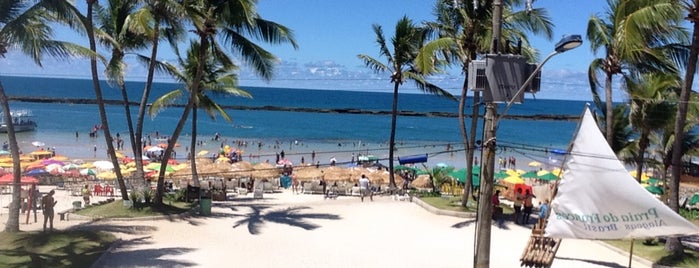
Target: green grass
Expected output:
[452,203]
[118,210]
[53,249]
[656,253]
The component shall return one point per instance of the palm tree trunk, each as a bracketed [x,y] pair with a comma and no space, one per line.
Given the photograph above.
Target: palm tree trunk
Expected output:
[193,145]
[12,224]
[100,102]
[609,113]
[129,120]
[392,140]
[464,138]
[640,158]
[193,92]
[673,244]
[138,145]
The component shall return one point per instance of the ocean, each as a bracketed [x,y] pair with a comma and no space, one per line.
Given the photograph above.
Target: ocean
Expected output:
[264,133]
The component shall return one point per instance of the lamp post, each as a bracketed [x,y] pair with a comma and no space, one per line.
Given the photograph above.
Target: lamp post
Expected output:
[485,205]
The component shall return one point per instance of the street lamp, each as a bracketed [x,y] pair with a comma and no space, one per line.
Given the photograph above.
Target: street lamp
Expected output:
[485,205]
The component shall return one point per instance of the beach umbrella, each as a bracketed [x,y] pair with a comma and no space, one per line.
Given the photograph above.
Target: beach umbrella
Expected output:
[500,174]
[88,171]
[36,172]
[106,175]
[548,177]
[513,180]
[653,189]
[54,168]
[534,164]
[71,166]
[103,165]
[9,178]
[4,152]
[529,175]
[542,172]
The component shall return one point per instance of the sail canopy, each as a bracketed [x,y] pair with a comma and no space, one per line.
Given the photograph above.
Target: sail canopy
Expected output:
[598,199]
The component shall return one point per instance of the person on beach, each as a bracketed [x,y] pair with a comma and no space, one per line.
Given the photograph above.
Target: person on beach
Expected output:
[86,195]
[47,204]
[294,184]
[528,206]
[497,210]
[543,211]
[364,189]
[519,197]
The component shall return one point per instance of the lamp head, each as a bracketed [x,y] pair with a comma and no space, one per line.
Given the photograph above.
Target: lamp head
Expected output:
[568,42]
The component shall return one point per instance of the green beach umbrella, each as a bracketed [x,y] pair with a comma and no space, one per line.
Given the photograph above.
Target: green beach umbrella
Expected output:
[694,200]
[654,189]
[501,175]
[460,176]
[530,174]
[548,177]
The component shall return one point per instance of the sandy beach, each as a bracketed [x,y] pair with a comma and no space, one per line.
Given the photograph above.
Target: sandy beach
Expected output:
[296,230]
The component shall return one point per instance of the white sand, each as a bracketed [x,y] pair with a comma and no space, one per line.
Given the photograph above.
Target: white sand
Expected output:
[287,230]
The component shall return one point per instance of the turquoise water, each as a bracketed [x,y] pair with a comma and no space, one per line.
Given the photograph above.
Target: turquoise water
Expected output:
[298,133]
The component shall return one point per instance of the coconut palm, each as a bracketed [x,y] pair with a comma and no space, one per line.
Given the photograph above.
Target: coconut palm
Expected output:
[157,19]
[26,26]
[218,79]
[467,34]
[634,35]
[649,109]
[114,32]
[692,8]
[400,63]
[233,22]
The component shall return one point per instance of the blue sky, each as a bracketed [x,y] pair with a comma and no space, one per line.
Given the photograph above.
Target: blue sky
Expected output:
[330,34]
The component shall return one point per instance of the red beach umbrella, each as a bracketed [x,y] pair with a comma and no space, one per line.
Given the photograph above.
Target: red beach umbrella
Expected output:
[9,178]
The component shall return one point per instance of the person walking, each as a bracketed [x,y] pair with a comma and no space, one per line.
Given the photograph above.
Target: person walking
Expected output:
[86,195]
[528,206]
[364,188]
[497,210]
[543,212]
[519,197]
[47,204]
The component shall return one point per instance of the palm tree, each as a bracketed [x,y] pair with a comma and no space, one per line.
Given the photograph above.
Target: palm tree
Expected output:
[692,7]
[406,44]
[231,21]
[157,19]
[649,109]
[90,29]
[633,34]
[114,32]
[26,25]
[468,32]
[218,79]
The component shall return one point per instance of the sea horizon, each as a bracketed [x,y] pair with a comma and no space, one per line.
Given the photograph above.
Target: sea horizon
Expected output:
[298,133]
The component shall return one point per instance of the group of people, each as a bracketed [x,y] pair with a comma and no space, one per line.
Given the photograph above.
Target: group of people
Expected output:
[523,206]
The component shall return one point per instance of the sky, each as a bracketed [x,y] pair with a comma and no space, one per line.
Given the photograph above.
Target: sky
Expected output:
[331,34]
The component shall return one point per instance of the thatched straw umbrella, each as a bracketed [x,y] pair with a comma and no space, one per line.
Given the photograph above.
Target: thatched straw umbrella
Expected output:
[265,171]
[423,182]
[305,173]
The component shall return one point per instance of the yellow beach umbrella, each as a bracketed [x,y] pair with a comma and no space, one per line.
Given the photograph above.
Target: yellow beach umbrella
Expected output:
[6,164]
[107,175]
[513,180]
[534,164]
[542,172]
[557,172]
[202,153]
[644,176]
